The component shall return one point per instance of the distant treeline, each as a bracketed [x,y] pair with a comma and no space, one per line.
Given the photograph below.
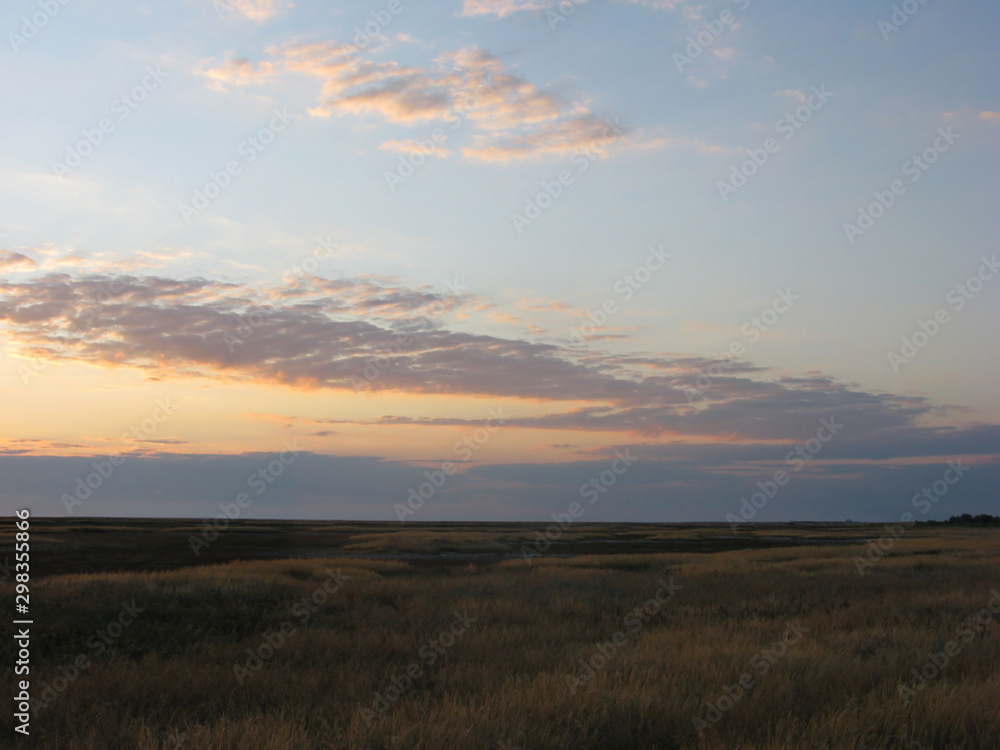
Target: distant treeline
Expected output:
[983,519]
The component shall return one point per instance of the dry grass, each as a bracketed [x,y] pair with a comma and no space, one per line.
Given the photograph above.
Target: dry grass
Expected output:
[503,682]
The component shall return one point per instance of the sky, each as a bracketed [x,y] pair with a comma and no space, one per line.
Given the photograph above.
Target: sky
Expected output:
[626,260]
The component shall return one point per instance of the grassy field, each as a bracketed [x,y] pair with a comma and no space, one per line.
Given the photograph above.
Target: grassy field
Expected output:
[444,636]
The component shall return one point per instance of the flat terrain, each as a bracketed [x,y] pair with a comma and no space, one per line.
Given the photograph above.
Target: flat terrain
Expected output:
[373,635]
[103,545]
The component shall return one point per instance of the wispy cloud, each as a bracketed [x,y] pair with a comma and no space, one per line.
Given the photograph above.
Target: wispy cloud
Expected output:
[510,118]
[505,8]
[413,146]
[257,10]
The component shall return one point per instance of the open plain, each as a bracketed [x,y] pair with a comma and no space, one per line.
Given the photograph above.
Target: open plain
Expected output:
[367,635]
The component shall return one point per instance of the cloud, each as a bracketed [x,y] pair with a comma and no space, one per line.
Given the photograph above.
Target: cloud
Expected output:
[257,10]
[505,8]
[53,258]
[315,333]
[412,146]
[238,72]
[565,137]
[328,333]
[542,305]
[798,95]
[509,118]
[748,410]
[716,66]
[11,261]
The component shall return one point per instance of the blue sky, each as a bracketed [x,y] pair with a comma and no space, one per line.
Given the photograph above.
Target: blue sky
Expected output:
[220,72]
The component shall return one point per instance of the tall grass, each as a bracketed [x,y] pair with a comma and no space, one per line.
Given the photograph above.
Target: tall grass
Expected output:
[502,682]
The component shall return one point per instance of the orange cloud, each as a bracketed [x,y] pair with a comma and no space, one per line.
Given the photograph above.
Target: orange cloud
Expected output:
[12,261]
[257,10]
[412,146]
[504,8]
[542,305]
[510,117]
[335,334]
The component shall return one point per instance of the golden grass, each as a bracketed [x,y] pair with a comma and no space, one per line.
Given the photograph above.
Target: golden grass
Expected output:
[503,682]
